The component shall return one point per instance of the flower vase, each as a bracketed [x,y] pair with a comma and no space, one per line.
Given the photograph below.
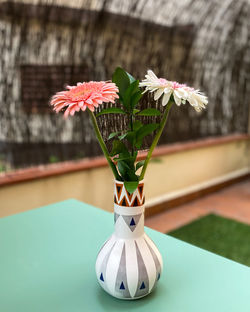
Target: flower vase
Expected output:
[129,264]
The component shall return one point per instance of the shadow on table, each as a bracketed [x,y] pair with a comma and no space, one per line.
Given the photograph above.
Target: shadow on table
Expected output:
[110,303]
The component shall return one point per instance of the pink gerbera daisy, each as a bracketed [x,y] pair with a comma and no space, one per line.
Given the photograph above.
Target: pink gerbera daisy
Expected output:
[84,95]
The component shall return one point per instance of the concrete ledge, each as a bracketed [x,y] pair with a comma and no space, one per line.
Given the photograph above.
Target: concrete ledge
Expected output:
[176,198]
[184,171]
[49,170]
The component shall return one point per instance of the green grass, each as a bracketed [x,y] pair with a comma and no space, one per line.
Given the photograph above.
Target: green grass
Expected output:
[225,237]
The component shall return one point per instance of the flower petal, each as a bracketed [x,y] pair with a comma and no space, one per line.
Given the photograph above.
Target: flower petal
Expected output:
[166,98]
[158,94]
[177,99]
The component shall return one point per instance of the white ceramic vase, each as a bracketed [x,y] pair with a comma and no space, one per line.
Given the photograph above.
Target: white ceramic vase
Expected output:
[129,264]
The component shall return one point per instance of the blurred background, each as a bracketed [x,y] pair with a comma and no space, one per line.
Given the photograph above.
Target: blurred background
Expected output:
[45,45]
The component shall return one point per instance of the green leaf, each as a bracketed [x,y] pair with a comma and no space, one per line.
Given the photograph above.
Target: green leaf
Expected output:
[149,112]
[137,125]
[111,110]
[123,167]
[118,147]
[112,135]
[121,137]
[121,79]
[132,89]
[131,186]
[135,98]
[131,78]
[135,111]
[138,143]
[146,130]
[132,176]
[131,137]
[139,165]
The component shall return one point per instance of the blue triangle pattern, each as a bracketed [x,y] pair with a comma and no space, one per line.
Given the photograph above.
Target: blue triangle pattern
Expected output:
[142,286]
[101,277]
[122,286]
[132,222]
[159,275]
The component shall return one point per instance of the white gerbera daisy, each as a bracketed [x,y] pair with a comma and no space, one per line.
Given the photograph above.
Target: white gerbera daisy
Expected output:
[181,93]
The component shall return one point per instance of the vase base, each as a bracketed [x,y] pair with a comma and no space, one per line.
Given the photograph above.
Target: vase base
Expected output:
[127,299]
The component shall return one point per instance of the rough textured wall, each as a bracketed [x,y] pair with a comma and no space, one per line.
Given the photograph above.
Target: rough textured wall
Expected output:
[204,43]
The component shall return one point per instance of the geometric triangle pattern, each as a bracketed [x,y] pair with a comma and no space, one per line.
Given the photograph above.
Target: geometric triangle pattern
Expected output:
[132,221]
[123,198]
[116,216]
[142,286]
[101,277]
[143,280]
[121,282]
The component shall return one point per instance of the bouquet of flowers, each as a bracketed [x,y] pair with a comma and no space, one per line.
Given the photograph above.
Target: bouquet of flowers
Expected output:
[128,91]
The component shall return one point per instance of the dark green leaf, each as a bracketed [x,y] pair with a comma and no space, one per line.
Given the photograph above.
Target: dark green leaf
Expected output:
[132,89]
[135,98]
[146,130]
[131,137]
[118,147]
[131,186]
[138,143]
[112,135]
[121,79]
[123,167]
[111,110]
[139,165]
[150,112]
[135,111]
[137,125]
[131,176]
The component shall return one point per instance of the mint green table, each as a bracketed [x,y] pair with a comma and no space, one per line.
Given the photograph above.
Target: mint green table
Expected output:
[47,260]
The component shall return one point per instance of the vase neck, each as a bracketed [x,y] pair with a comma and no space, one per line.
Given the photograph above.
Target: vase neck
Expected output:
[128,211]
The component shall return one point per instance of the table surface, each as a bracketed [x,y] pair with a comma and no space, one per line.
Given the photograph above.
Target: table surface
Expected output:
[47,263]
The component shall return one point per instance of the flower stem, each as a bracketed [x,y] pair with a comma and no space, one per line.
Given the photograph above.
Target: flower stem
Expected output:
[156,139]
[103,145]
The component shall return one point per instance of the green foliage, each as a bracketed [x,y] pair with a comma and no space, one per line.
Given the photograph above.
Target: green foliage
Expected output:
[144,131]
[118,147]
[137,125]
[135,111]
[139,164]
[125,145]
[149,112]
[112,135]
[122,80]
[131,186]
[111,110]
[131,96]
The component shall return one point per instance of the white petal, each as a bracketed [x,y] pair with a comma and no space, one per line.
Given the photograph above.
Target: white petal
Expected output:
[193,102]
[158,94]
[181,93]
[177,99]
[152,75]
[166,98]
